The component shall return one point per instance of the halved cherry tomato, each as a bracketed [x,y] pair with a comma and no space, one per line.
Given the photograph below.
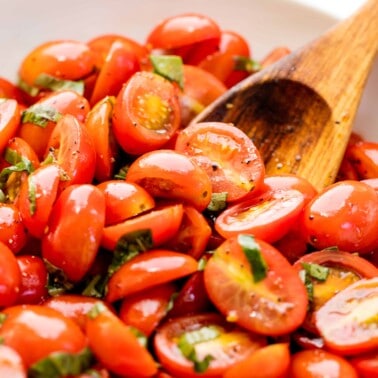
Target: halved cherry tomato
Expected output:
[183,345]
[268,216]
[147,270]
[227,154]
[23,149]
[146,114]
[172,175]
[11,364]
[316,363]
[24,329]
[275,305]
[9,121]
[10,277]
[74,230]
[163,222]
[108,335]
[345,215]
[144,310]
[71,147]
[124,200]
[347,321]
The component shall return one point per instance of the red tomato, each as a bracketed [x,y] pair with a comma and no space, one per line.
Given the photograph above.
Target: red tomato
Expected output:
[146,114]
[74,230]
[34,275]
[9,121]
[11,364]
[316,363]
[363,156]
[209,337]
[147,270]
[273,360]
[72,149]
[366,364]
[268,216]
[108,335]
[172,175]
[10,277]
[275,305]
[345,215]
[25,330]
[144,310]
[38,192]
[10,91]
[275,55]
[373,182]
[347,320]
[63,59]
[163,222]
[124,200]
[227,154]
[62,102]
[23,149]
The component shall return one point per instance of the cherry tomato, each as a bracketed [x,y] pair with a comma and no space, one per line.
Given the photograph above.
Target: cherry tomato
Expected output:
[275,55]
[33,279]
[373,182]
[209,338]
[11,364]
[146,114]
[10,277]
[316,363]
[74,230]
[10,91]
[124,200]
[108,335]
[9,121]
[144,310]
[24,329]
[147,270]
[63,59]
[366,364]
[345,215]
[163,222]
[229,157]
[275,305]
[347,320]
[173,175]
[363,156]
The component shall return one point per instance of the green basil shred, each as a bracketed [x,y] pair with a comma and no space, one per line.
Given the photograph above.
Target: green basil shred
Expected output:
[52,83]
[170,67]
[40,115]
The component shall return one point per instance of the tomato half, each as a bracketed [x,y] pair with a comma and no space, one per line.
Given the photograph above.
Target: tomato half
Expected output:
[363,156]
[227,154]
[146,114]
[210,338]
[9,121]
[275,305]
[11,364]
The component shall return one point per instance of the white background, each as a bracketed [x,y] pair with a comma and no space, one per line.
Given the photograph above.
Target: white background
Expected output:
[337,8]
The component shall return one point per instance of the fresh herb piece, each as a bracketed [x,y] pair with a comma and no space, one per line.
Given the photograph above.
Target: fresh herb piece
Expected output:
[171,301]
[253,254]
[202,263]
[95,287]
[316,271]
[61,364]
[32,189]
[3,197]
[244,63]
[141,337]
[57,282]
[170,67]
[96,310]
[23,165]
[40,115]
[54,84]
[218,201]
[188,340]
[29,89]
[121,175]
[307,281]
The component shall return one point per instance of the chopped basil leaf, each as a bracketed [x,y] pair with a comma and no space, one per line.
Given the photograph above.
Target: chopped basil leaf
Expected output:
[32,195]
[333,248]
[316,271]
[50,82]
[142,338]
[40,115]
[121,175]
[3,197]
[253,254]
[202,263]
[57,282]
[306,279]
[188,340]
[170,67]
[96,310]
[96,287]
[171,301]
[61,364]
[218,201]
[23,85]
[243,63]
[23,165]
[12,156]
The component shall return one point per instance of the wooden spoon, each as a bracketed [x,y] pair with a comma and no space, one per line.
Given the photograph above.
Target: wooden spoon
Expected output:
[299,111]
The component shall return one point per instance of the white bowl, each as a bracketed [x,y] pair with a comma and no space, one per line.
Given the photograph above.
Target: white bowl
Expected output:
[266,24]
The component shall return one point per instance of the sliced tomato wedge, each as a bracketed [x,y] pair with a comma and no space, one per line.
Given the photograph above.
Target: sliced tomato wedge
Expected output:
[9,121]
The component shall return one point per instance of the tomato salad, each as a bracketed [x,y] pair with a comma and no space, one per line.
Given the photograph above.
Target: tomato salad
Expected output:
[136,244]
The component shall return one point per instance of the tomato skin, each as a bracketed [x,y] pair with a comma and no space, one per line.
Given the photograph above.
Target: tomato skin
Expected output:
[279,300]
[63,59]
[147,270]
[124,200]
[345,215]
[146,114]
[316,363]
[363,156]
[43,183]
[10,91]
[366,365]
[9,121]
[274,55]
[232,345]
[172,175]
[10,277]
[346,321]
[24,149]
[11,364]
[163,222]
[75,228]
[227,154]
[107,336]
[24,329]
[33,288]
